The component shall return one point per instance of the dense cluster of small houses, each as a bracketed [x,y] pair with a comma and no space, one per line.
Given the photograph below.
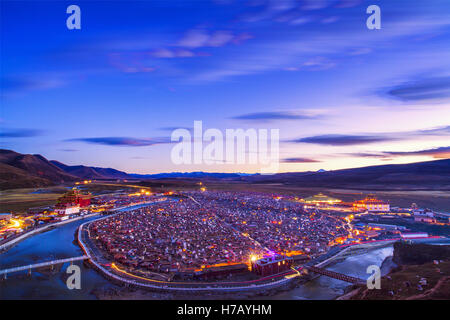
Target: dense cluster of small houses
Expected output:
[205,229]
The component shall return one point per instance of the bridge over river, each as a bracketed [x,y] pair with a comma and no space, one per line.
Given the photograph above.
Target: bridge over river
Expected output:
[335,275]
[41,265]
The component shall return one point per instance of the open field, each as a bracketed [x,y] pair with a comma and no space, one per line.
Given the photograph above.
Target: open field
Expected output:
[19,200]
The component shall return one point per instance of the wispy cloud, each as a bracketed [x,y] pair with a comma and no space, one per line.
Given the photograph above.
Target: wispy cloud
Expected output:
[170,129]
[201,38]
[15,84]
[420,90]
[438,153]
[130,62]
[314,64]
[276,115]
[366,138]
[440,131]
[176,53]
[364,154]
[311,50]
[122,141]
[348,3]
[20,133]
[68,150]
[299,160]
[343,140]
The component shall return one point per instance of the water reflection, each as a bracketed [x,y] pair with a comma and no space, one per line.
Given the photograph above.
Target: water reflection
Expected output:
[58,243]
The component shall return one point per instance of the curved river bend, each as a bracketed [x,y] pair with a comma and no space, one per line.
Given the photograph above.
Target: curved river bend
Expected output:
[58,243]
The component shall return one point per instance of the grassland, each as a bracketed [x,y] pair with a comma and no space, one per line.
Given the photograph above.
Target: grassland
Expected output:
[20,200]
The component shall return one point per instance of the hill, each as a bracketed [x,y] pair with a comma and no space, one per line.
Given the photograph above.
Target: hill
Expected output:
[85,172]
[26,170]
[198,174]
[419,175]
[33,170]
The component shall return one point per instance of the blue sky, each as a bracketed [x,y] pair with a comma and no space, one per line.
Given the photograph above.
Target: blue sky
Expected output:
[342,95]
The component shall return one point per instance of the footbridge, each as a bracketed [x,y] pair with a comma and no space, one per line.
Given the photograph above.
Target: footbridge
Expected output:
[335,275]
[41,265]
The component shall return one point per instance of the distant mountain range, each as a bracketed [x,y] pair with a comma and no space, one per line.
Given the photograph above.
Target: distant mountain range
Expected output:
[33,170]
[198,174]
[85,172]
[25,170]
[419,175]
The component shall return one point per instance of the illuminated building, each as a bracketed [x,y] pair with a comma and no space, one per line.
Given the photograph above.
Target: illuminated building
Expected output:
[423,215]
[66,209]
[74,197]
[372,204]
[71,202]
[320,199]
[271,265]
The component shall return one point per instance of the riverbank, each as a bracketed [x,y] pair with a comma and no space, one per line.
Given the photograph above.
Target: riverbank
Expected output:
[134,287]
[59,244]
[111,272]
[413,272]
[9,244]
[134,293]
[107,269]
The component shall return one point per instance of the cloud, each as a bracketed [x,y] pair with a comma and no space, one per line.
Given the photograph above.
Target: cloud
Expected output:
[198,38]
[20,133]
[319,63]
[123,141]
[331,19]
[315,4]
[293,48]
[432,88]
[175,128]
[343,140]
[270,116]
[348,3]
[438,153]
[194,39]
[299,160]
[22,83]
[175,53]
[68,150]
[129,63]
[366,138]
[360,51]
[364,155]
[440,131]
[314,64]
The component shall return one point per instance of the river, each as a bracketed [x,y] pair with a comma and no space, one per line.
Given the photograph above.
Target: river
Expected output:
[58,243]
